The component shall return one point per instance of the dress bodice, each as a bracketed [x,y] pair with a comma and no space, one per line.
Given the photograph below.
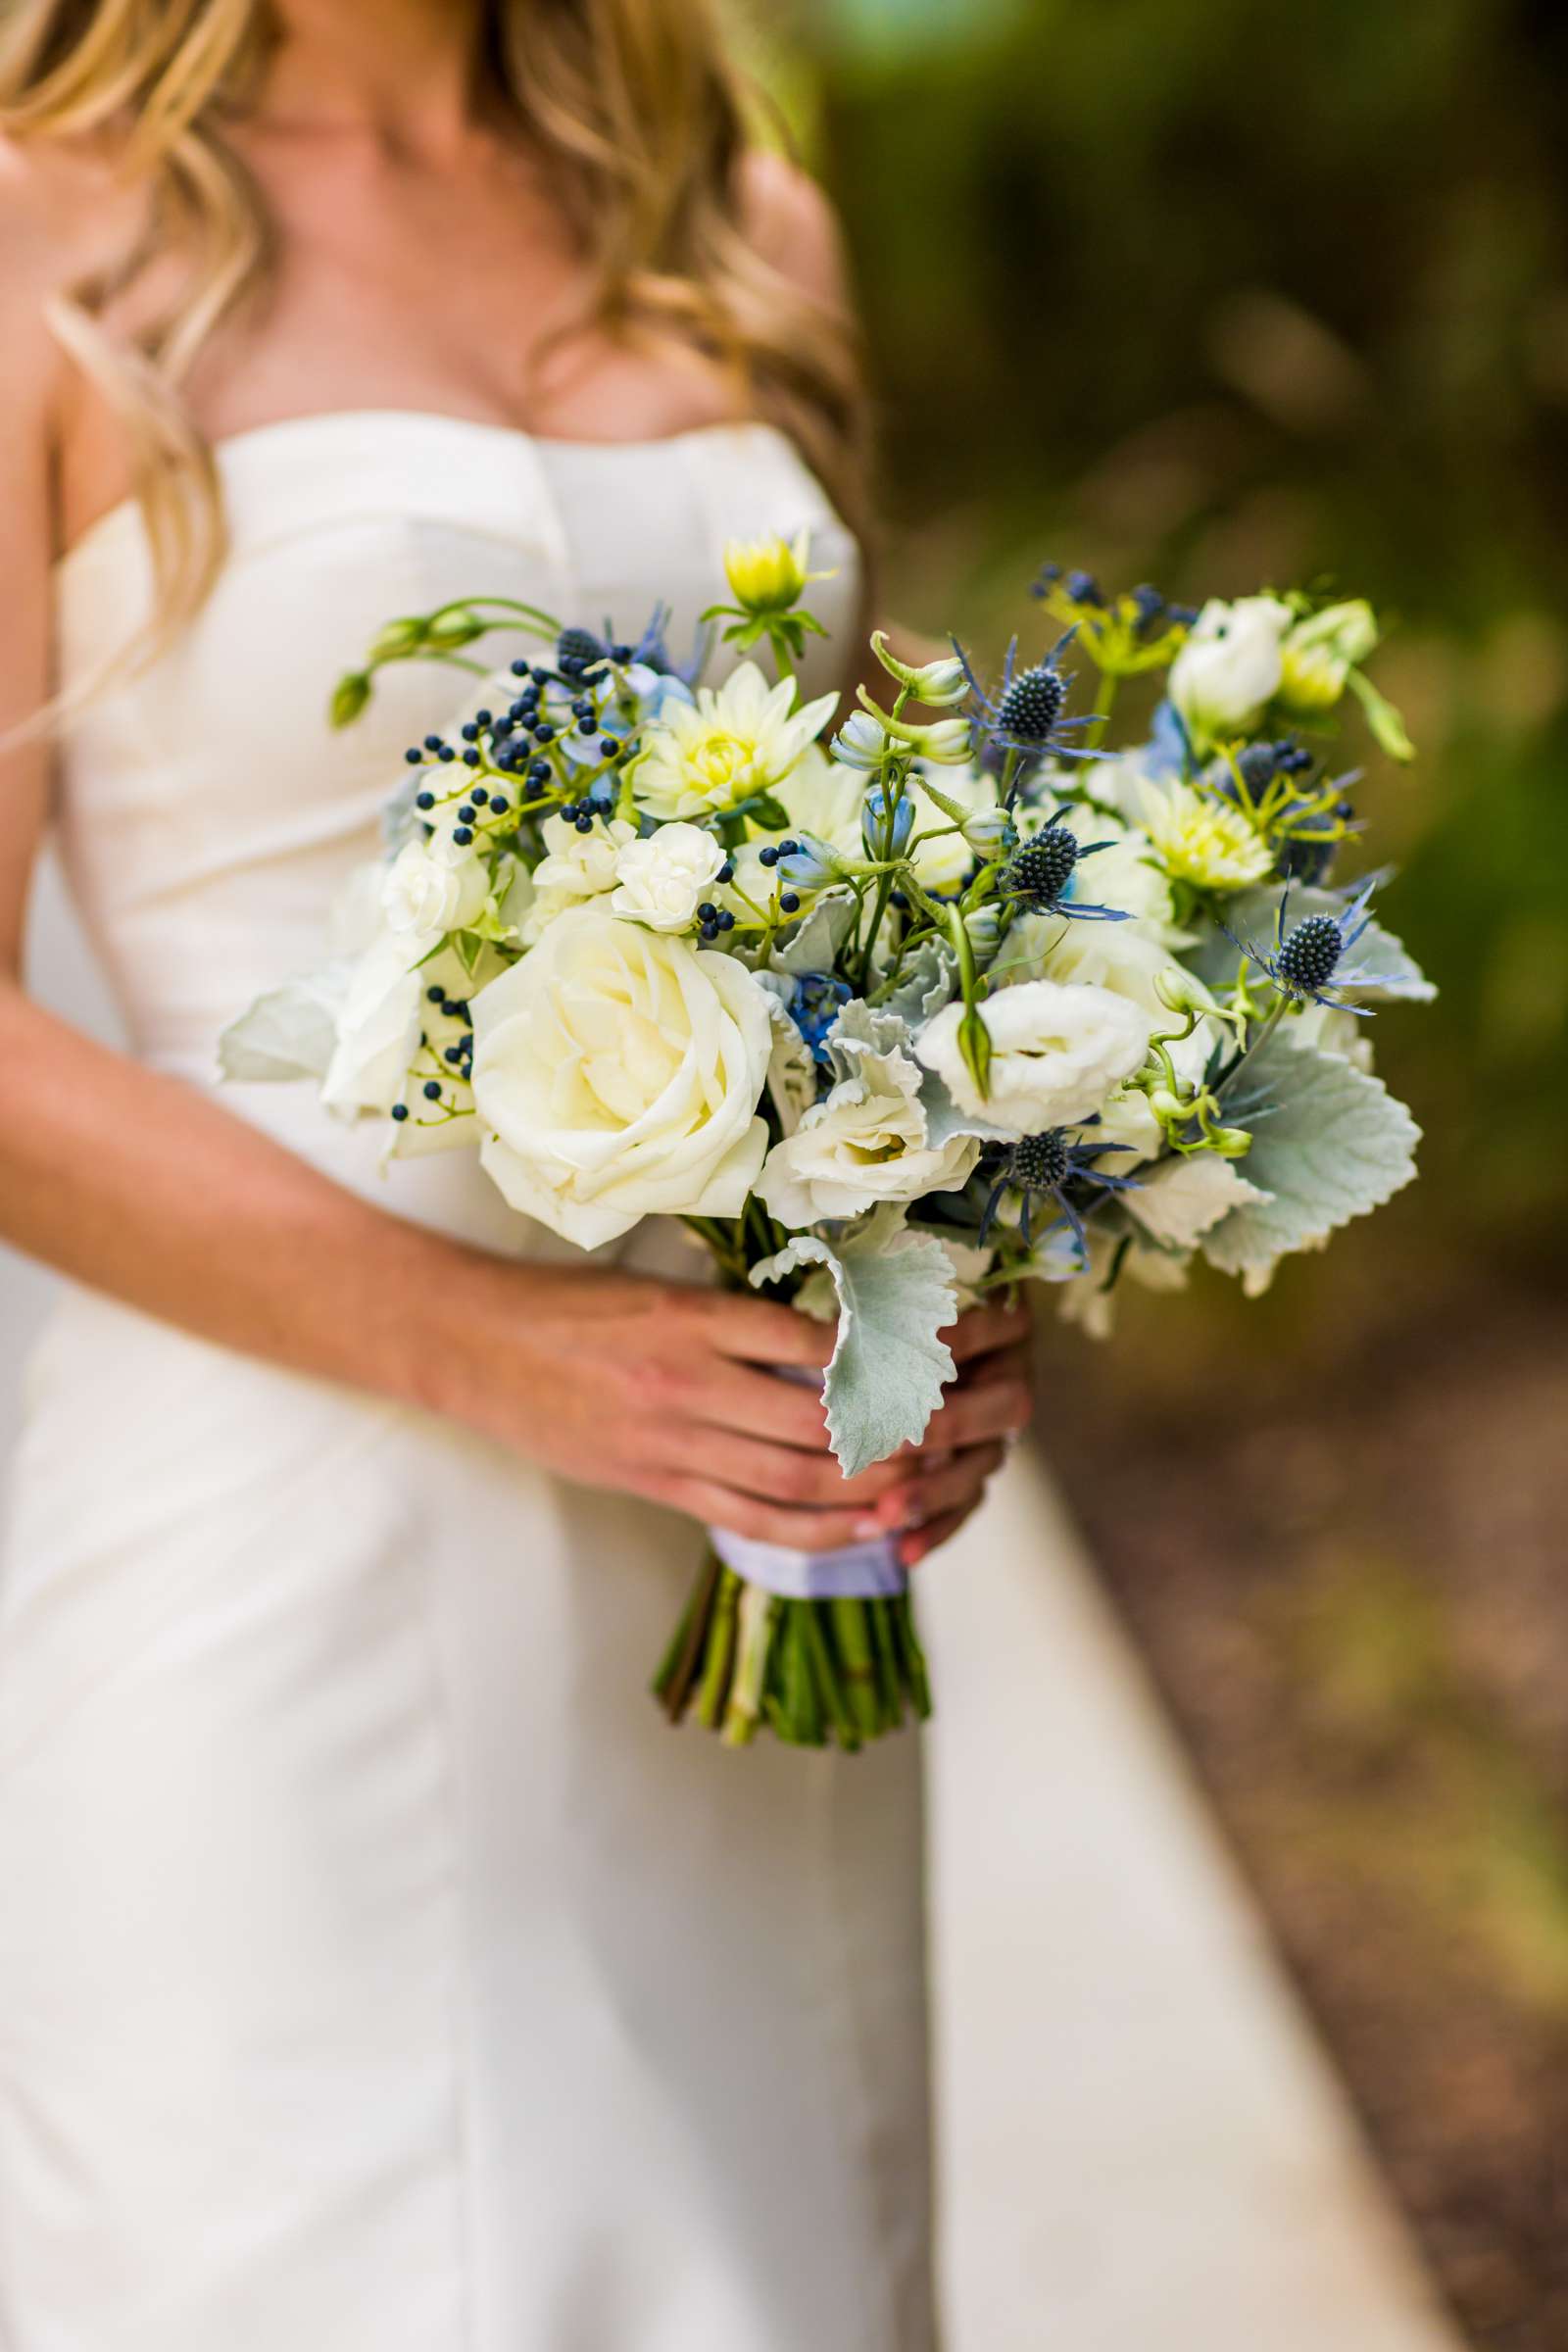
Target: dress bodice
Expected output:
[208,813]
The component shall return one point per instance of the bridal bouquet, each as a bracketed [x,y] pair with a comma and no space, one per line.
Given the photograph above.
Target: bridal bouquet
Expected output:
[959,996]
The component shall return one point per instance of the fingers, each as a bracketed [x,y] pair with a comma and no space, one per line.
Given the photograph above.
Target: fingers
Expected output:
[923,1542]
[731,1396]
[758,1331]
[985,1329]
[980,1410]
[790,1474]
[765,1522]
[953,1485]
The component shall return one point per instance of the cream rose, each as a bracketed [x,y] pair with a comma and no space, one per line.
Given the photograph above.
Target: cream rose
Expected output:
[867,1142]
[616,1073]
[574,866]
[663,879]
[1056,1054]
[434,887]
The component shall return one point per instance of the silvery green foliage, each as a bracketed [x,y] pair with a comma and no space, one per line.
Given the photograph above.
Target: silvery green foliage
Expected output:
[291,1032]
[896,1295]
[1377,956]
[791,1069]
[863,1031]
[930,976]
[1329,1143]
[814,943]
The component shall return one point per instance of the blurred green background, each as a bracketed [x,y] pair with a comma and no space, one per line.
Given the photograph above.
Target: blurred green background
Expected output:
[1214,295]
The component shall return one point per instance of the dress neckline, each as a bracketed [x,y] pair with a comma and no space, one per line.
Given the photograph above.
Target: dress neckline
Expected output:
[229,447]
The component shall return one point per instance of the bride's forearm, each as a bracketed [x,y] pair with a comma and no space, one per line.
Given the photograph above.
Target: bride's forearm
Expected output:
[140,1187]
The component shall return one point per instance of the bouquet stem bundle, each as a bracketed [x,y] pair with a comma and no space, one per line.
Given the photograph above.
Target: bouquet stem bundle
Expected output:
[814,1672]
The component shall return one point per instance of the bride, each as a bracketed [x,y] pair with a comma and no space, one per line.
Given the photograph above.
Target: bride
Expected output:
[376,1969]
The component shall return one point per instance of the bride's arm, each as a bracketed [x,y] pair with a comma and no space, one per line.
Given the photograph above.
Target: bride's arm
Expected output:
[145,1189]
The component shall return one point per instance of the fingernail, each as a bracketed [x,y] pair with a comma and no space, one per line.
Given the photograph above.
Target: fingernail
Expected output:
[867,1528]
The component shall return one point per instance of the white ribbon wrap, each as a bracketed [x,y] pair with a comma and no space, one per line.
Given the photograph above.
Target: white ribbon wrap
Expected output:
[868,1571]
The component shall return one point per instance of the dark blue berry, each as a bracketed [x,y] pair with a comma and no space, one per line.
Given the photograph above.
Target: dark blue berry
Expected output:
[424,800]
[467,814]
[498,804]
[707,912]
[538,771]
[1083,588]
[585,824]
[726,920]
[483,719]
[520,670]
[479,797]
[445,752]
[471,733]
[432,743]
[769,857]
[436,995]
[726,872]
[470,758]
[432,1090]
[415,757]
[788,900]
[544,732]
[463,835]
[400,1111]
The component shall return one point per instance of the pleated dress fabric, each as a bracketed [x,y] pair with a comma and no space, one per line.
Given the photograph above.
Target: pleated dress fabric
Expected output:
[378,1972]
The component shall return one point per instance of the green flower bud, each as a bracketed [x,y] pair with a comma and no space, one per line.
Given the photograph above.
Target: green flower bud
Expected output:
[449,631]
[349,697]
[941,685]
[397,641]
[1320,652]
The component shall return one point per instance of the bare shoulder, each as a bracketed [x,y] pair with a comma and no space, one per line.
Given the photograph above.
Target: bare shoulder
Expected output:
[60,217]
[791,222]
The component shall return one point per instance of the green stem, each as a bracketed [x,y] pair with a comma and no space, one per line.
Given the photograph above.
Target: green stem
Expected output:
[853,1637]
[715,1688]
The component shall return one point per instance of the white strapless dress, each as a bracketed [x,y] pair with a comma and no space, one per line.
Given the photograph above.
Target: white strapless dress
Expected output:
[378,1972]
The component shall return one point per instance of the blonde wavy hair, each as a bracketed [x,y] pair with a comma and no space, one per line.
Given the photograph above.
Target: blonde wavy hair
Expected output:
[637,107]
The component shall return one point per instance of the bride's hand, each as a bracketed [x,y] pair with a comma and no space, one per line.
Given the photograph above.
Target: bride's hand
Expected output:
[669,1391]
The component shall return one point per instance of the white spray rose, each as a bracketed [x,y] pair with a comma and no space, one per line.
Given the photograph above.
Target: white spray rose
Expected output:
[1056,1054]
[616,1073]
[434,887]
[576,866]
[1230,668]
[866,1142]
[662,880]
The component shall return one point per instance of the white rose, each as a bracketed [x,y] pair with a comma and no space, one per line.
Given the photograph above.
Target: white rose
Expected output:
[1230,668]
[434,886]
[616,1072]
[1056,1054]
[662,880]
[378,1029]
[576,866]
[866,1142]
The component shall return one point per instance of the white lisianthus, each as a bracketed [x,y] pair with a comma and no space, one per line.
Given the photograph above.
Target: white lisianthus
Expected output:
[434,886]
[737,739]
[1204,839]
[1229,669]
[661,878]
[576,866]
[616,1073]
[869,1142]
[378,1028]
[1056,1054]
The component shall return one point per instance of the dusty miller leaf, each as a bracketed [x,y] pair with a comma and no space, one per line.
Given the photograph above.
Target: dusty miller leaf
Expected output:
[1329,1143]
[895,1295]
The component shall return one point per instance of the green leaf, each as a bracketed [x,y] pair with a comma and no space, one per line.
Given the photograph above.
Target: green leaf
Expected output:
[1329,1143]
[1388,727]
[290,1033]
[896,1295]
